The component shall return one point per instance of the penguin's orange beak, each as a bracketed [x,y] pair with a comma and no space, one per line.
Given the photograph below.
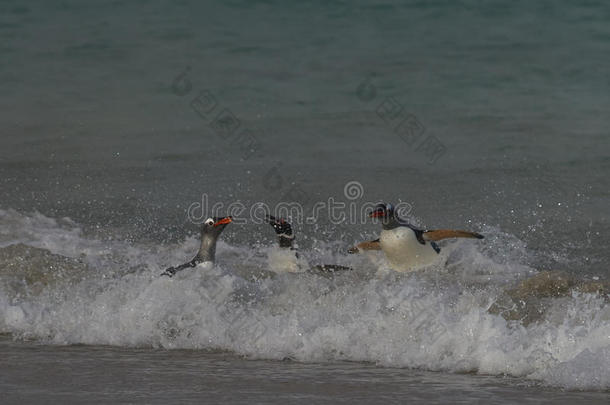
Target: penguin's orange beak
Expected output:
[377,213]
[223,221]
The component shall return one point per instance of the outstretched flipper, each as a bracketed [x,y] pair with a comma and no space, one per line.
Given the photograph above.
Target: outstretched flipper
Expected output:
[329,268]
[170,271]
[283,229]
[448,233]
[210,231]
[368,245]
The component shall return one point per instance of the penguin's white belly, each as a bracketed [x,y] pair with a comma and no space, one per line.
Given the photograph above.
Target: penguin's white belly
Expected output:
[404,251]
[204,265]
[282,260]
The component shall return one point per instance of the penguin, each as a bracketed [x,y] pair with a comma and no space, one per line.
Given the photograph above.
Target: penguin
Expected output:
[286,258]
[406,247]
[210,231]
[283,257]
[283,230]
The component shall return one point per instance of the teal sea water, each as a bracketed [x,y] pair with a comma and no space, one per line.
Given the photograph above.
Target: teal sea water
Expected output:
[119,117]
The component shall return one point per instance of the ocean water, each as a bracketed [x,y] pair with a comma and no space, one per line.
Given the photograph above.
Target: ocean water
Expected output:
[124,123]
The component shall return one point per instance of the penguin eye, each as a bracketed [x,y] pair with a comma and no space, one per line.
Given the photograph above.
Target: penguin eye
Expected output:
[209,221]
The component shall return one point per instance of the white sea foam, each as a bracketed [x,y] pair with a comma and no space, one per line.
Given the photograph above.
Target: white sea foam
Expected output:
[436,319]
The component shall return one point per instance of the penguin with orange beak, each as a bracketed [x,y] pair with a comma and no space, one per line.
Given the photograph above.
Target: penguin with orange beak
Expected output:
[210,231]
[406,247]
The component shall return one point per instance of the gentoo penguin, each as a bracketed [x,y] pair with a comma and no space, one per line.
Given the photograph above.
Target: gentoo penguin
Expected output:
[406,247]
[283,230]
[286,258]
[210,231]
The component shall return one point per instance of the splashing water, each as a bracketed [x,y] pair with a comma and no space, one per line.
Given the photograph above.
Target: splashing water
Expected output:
[61,287]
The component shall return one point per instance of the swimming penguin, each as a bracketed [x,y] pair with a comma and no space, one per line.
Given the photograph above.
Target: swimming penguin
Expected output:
[210,231]
[286,258]
[283,229]
[407,248]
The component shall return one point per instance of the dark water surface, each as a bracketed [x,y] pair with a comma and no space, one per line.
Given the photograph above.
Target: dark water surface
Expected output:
[77,374]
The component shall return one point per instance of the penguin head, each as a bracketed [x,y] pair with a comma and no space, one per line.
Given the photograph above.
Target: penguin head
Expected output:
[283,229]
[214,226]
[387,215]
[382,210]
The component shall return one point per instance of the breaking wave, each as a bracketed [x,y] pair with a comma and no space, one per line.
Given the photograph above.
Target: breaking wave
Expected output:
[477,312]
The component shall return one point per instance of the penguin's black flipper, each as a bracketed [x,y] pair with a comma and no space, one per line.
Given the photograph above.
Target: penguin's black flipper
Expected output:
[329,268]
[170,271]
[283,229]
